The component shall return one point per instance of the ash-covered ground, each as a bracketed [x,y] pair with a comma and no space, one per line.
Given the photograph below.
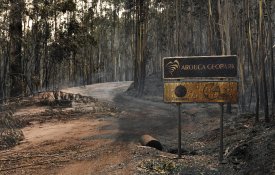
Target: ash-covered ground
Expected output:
[96,130]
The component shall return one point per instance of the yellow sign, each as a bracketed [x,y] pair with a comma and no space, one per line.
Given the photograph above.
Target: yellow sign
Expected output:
[201,92]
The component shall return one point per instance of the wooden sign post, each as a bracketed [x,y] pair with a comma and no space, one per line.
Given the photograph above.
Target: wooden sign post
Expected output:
[204,79]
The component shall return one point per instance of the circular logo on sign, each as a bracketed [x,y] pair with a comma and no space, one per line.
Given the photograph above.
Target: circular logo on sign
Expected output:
[211,91]
[180,91]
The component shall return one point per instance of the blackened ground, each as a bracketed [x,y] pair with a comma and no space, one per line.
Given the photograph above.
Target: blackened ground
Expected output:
[92,137]
[249,147]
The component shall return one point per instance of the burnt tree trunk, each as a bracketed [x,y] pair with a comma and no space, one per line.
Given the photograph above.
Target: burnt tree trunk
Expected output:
[15,31]
[140,73]
[262,62]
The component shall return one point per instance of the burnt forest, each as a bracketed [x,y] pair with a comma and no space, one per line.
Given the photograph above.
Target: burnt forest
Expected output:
[144,87]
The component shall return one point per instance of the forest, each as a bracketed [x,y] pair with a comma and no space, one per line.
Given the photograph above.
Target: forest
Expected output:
[83,84]
[51,44]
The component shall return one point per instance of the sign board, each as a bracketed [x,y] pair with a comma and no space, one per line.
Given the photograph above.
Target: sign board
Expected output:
[222,90]
[201,92]
[200,66]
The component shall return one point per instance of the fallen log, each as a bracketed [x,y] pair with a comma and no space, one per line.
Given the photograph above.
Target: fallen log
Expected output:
[147,140]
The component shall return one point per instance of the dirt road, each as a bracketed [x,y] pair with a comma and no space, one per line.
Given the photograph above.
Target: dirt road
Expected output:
[107,142]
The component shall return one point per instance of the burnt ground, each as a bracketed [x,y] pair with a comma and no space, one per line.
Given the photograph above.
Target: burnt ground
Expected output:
[89,136]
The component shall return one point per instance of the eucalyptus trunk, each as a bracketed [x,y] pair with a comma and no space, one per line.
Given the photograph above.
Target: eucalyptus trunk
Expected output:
[16,33]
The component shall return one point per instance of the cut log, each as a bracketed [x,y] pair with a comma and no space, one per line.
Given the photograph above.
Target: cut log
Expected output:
[147,140]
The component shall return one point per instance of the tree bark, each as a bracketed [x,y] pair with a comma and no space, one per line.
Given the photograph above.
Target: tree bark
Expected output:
[15,32]
[262,64]
[141,14]
[271,56]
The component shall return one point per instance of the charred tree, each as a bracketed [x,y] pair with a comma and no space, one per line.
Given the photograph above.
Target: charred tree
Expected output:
[16,33]
[140,73]
[262,62]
